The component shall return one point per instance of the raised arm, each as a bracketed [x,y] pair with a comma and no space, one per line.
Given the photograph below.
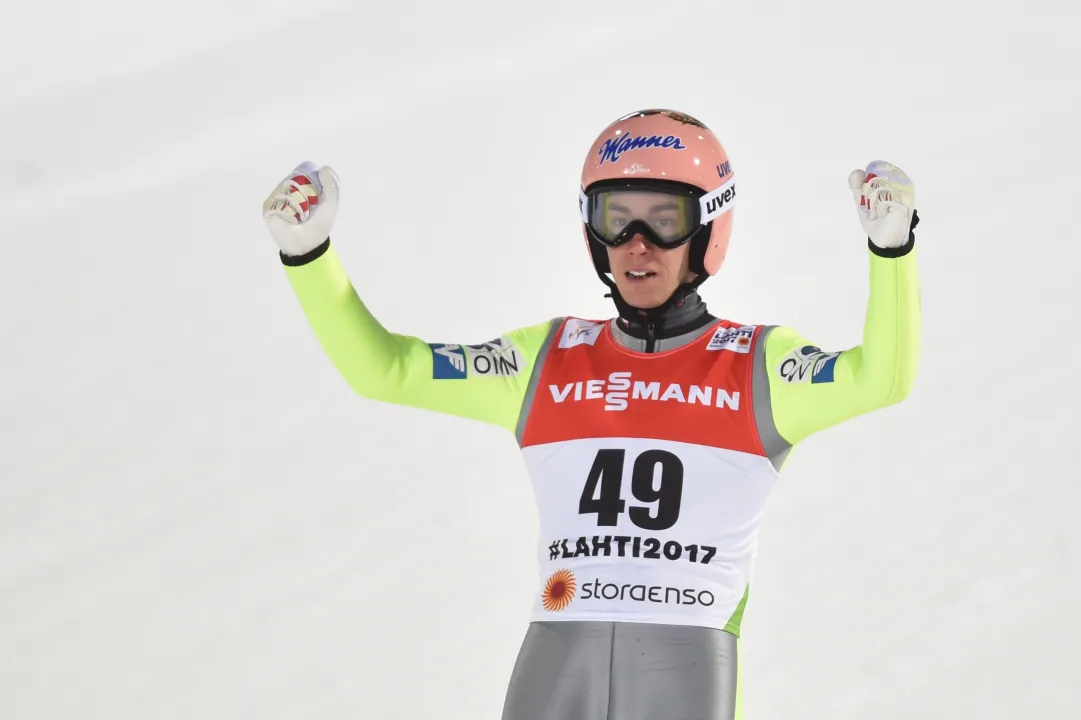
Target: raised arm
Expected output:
[486,381]
[811,389]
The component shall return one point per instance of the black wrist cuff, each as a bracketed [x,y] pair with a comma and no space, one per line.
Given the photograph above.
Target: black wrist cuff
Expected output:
[310,256]
[902,250]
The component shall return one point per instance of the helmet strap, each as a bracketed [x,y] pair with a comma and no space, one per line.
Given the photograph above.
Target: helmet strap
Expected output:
[662,319]
[655,316]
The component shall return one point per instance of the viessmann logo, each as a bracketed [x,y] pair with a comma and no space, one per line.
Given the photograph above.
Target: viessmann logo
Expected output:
[561,589]
[620,388]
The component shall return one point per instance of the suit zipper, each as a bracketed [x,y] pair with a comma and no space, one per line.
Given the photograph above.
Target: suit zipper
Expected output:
[651,338]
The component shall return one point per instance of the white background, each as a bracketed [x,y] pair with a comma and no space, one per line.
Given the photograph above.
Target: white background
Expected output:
[197,518]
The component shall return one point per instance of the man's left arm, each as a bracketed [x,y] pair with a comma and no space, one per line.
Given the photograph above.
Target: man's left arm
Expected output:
[810,389]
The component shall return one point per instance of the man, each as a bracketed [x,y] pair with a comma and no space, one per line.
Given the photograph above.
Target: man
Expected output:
[653,439]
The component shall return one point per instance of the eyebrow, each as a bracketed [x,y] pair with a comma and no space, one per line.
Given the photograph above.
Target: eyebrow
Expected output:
[652,208]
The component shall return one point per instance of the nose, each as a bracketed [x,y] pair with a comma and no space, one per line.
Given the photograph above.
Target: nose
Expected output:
[638,244]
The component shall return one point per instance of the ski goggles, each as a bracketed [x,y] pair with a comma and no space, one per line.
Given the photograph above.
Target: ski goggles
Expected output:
[665,214]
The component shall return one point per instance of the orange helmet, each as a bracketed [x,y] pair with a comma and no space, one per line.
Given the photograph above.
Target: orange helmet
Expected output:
[675,157]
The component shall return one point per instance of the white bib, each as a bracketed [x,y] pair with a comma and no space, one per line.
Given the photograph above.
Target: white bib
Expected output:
[650,484]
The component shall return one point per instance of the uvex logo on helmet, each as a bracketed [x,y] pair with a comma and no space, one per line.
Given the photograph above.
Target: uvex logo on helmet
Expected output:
[719,201]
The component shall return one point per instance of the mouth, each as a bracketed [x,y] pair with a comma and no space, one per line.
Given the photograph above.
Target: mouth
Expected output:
[639,274]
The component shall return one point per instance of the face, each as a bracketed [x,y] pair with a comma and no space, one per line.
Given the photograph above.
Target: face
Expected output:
[645,274]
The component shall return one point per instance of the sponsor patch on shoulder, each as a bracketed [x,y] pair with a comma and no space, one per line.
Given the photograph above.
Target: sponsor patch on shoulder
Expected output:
[448,361]
[808,364]
[735,339]
[457,362]
[580,332]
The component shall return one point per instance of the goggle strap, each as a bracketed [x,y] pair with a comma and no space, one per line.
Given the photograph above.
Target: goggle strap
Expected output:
[716,203]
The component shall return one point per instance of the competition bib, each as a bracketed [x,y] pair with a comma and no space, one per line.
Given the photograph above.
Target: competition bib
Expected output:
[649,478]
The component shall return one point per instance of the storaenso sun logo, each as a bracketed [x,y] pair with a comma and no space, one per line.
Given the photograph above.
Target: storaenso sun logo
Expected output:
[619,389]
[615,147]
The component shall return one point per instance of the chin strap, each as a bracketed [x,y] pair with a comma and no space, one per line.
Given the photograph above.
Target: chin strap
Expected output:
[653,322]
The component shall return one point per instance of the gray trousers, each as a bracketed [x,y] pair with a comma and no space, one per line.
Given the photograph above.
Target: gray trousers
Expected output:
[624,671]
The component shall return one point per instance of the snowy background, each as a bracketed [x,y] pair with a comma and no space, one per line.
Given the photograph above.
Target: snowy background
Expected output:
[197,518]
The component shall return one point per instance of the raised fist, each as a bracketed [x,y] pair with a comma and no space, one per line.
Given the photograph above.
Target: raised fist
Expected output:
[300,211]
[886,200]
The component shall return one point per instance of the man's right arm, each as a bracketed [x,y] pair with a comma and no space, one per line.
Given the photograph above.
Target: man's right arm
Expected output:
[485,382]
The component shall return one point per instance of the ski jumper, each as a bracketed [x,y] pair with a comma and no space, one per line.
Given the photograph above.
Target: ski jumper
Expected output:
[652,462]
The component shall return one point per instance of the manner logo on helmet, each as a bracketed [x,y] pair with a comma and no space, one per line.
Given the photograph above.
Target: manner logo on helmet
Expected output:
[614,148]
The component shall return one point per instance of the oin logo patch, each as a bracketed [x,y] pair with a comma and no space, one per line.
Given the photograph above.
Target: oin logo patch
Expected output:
[495,357]
[559,590]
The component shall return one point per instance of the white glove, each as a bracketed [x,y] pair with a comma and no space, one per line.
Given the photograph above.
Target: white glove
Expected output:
[885,200]
[300,211]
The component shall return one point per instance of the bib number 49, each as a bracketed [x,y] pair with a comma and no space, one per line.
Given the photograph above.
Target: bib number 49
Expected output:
[656,479]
